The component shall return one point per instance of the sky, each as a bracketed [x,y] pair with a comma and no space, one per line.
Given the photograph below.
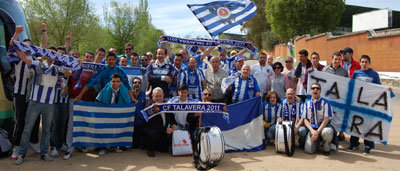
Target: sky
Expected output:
[175,18]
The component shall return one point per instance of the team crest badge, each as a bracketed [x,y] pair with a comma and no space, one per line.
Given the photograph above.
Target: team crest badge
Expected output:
[223,12]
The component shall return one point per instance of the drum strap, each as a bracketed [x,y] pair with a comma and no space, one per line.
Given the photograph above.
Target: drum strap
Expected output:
[289,151]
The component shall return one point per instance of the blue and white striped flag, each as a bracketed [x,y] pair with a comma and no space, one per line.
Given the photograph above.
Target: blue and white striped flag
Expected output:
[219,16]
[103,125]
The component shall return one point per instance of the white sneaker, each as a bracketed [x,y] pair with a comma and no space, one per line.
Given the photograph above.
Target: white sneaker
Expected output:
[84,150]
[19,160]
[14,154]
[118,150]
[35,147]
[46,157]
[68,154]
[54,152]
[102,152]
[333,147]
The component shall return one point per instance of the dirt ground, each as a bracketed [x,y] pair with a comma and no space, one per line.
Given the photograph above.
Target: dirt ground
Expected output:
[382,158]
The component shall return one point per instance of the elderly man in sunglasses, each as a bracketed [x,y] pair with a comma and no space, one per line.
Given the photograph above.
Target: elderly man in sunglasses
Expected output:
[317,114]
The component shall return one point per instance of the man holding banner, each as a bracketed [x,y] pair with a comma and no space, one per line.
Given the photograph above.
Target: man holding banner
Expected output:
[159,128]
[368,75]
[104,76]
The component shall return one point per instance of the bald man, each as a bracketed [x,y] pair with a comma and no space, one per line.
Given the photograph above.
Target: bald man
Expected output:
[245,86]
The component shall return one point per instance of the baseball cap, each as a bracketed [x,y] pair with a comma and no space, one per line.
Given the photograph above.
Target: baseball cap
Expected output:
[240,57]
[346,50]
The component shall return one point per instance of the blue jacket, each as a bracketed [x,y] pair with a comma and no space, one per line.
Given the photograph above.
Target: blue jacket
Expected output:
[103,77]
[105,95]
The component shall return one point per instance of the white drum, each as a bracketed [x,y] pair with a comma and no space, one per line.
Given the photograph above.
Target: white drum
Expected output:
[210,147]
[284,137]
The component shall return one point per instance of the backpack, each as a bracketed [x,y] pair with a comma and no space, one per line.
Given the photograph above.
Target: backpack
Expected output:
[5,144]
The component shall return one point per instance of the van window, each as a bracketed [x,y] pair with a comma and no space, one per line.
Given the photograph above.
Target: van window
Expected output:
[5,66]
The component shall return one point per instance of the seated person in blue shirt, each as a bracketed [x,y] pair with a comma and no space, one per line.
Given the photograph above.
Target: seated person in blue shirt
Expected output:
[103,77]
[272,109]
[114,92]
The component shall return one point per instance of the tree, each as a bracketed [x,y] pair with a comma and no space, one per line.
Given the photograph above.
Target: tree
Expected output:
[146,34]
[63,17]
[290,18]
[120,23]
[257,26]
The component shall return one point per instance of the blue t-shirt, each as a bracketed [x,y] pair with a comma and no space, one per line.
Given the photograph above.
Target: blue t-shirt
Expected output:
[368,75]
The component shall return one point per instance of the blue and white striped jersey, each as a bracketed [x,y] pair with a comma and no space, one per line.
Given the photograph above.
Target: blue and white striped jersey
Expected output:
[44,82]
[271,113]
[315,110]
[22,76]
[244,89]
[193,80]
[62,97]
[291,112]
[228,63]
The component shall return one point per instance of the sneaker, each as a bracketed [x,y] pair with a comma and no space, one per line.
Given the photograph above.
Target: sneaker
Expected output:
[333,147]
[14,154]
[19,160]
[84,150]
[102,152]
[367,151]
[118,150]
[35,147]
[353,148]
[46,157]
[54,152]
[68,154]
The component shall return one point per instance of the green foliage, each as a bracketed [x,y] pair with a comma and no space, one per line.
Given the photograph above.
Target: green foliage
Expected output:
[63,17]
[146,35]
[257,26]
[120,25]
[290,18]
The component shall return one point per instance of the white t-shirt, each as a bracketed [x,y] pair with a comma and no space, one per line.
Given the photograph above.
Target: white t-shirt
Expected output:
[300,88]
[262,74]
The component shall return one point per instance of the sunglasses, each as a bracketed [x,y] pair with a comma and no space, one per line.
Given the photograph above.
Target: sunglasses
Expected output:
[144,60]
[315,88]
[137,82]
[278,68]
[128,49]
[206,94]
[288,61]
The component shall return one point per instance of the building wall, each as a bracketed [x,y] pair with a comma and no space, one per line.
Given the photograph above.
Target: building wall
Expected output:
[279,51]
[384,50]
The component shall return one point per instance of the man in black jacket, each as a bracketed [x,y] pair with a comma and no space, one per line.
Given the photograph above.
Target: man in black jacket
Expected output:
[159,128]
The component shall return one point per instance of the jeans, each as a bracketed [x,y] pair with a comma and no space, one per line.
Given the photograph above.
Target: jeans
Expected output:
[270,132]
[33,111]
[70,124]
[325,136]
[302,132]
[58,124]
